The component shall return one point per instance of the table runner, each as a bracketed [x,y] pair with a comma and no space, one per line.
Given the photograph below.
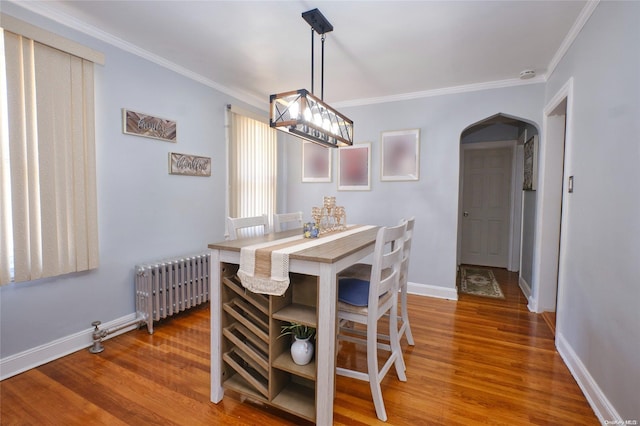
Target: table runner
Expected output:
[264,267]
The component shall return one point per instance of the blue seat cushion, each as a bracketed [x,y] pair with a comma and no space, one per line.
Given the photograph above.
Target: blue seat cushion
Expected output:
[353,291]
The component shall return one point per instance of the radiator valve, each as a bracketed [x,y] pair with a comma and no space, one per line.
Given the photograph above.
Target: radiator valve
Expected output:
[97,336]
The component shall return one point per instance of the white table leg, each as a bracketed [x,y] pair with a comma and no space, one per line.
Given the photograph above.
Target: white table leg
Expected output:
[326,345]
[217,392]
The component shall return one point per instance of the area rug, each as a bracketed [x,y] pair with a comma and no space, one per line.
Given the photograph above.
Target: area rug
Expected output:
[479,282]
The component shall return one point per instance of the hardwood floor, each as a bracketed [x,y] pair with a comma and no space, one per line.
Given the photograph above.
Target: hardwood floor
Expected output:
[476,361]
[550,319]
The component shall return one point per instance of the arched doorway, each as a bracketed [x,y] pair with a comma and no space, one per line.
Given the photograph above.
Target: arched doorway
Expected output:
[491,170]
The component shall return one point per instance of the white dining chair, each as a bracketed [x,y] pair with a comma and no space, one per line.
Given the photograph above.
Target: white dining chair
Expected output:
[363,270]
[405,327]
[252,226]
[365,302]
[284,221]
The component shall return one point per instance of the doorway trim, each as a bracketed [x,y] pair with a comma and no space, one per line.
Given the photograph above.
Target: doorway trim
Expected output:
[546,286]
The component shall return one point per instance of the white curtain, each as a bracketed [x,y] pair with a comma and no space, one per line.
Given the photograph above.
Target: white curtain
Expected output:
[252,167]
[52,209]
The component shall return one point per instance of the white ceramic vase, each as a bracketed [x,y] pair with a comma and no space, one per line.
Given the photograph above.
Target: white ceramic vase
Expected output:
[302,351]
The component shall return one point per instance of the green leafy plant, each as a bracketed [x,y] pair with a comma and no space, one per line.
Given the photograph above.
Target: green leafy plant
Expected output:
[298,330]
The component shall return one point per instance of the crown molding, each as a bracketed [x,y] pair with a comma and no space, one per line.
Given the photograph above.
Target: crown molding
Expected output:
[444,91]
[582,19]
[49,12]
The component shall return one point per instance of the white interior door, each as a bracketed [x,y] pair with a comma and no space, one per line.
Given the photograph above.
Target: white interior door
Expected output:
[486,207]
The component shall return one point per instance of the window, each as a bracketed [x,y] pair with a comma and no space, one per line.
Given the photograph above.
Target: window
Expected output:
[48,207]
[252,166]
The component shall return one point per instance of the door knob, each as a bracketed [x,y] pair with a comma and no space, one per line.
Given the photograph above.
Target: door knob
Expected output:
[465,214]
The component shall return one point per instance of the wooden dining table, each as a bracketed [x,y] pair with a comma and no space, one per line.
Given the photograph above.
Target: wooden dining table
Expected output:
[321,263]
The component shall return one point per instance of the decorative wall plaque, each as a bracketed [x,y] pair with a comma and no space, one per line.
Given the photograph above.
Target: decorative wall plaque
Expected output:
[189,165]
[139,124]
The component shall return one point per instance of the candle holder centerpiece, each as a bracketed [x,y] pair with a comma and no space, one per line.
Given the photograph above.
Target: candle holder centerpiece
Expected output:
[329,217]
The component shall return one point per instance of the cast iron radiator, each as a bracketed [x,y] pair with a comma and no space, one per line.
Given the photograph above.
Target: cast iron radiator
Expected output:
[170,286]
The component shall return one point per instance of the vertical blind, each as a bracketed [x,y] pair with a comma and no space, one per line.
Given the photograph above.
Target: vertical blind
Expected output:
[252,167]
[49,204]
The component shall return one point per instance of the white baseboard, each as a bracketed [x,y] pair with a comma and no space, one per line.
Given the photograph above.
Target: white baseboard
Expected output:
[526,290]
[34,357]
[432,291]
[597,399]
[525,287]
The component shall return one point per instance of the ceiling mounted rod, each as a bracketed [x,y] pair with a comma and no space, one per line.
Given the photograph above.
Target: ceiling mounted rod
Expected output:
[312,63]
[320,25]
[322,71]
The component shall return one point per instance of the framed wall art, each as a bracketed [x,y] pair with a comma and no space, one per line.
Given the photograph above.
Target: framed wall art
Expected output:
[148,126]
[354,167]
[189,165]
[400,155]
[316,163]
[530,182]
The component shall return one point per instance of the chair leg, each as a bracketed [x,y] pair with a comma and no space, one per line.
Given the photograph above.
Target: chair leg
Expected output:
[396,350]
[374,373]
[406,326]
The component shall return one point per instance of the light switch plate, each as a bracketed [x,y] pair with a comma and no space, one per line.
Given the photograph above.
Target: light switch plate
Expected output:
[570,185]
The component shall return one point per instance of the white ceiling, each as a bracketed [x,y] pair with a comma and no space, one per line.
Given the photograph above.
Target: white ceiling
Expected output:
[379,50]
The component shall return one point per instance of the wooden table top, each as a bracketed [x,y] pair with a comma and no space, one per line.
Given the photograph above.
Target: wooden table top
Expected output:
[330,252]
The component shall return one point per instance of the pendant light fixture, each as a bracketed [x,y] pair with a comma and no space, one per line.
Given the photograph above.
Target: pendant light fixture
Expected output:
[304,115]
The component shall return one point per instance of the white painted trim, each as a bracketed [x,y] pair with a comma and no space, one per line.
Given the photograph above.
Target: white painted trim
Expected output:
[535,301]
[598,401]
[439,92]
[34,357]
[524,287]
[49,12]
[582,19]
[41,8]
[566,92]
[515,251]
[432,291]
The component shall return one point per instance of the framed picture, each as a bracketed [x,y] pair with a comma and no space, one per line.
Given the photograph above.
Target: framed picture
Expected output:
[400,155]
[139,124]
[354,167]
[316,163]
[530,164]
[189,165]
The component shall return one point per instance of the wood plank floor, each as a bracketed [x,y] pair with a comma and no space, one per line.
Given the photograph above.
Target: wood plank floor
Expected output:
[476,361]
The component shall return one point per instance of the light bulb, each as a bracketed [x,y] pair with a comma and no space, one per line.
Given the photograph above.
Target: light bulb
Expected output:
[294,109]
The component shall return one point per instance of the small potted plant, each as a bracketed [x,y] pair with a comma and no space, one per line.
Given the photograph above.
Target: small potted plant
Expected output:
[302,347]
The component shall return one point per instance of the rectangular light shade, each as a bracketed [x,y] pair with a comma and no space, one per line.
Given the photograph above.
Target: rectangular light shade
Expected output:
[307,117]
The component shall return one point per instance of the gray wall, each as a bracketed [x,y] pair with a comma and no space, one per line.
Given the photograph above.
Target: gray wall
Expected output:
[598,313]
[144,213]
[433,199]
